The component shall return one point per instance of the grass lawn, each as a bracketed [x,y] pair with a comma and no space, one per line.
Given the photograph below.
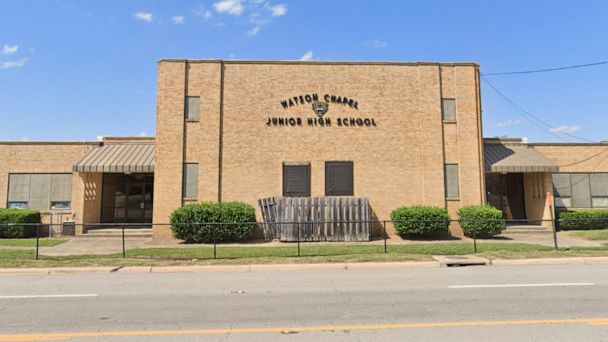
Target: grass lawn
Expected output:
[45,242]
[288,254]
[593,234]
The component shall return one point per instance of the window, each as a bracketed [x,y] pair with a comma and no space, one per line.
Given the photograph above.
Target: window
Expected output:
[60,205]
[296,180]
[452,186]
[580,190]
[190,180]
[17,205]
[339,178]
[38,191]
[562,190]
[193,104]
[448,109]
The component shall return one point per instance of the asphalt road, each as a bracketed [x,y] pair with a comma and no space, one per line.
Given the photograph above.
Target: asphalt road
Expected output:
[495,303]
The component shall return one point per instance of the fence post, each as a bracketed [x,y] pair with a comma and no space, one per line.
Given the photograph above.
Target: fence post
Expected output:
[553,227]
[384,230]
[37,239]
[475,241]
[298,238]
[214,242]
[124,251]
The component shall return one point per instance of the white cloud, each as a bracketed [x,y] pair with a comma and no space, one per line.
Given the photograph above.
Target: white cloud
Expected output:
[307,56]
[278,10]
[144,16]
[231,55]
[509,123]
[376,44]
[565,129]
[178,19]
[203,13]
[143,134]
[233,7]
[13,64]
[25,139]
[255,13]
[9,50]
[253,31]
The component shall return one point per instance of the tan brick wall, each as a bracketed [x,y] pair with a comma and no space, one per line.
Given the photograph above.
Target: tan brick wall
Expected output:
[536,187]
[28,157]
[92,182]
[169,144]
[399,162]
[576,158]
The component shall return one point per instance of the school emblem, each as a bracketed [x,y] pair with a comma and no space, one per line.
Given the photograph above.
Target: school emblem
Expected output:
[320,108]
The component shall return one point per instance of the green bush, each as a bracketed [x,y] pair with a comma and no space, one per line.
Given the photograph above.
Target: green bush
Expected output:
[235,222]
[10,219]
[583,219]
[420,221]
[481,220]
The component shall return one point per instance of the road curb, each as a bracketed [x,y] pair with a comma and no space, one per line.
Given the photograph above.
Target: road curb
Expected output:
[79,270]
[551,261]
[288,267]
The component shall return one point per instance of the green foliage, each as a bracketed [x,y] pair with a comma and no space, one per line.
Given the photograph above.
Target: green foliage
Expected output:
[583,219]
[420,221]
[10,219]
[194,223]
[481,220]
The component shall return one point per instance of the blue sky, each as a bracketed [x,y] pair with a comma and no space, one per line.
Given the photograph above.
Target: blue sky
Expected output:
[73,70]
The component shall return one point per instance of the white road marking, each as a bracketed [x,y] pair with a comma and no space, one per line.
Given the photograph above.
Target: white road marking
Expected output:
[50,296]
[518,285]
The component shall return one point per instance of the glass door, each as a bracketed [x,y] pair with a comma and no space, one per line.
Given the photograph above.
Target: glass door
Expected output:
[127,198]
[135,203]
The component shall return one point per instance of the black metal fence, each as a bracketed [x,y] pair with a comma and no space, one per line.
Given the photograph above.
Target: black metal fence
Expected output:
[117,240]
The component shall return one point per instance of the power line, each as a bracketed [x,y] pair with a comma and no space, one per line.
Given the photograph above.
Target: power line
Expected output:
[545,70]
[535,120]
[588,158]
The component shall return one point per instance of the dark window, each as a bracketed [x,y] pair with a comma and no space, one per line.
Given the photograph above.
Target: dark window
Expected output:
[190,182]
[448,109]
[296,180]
[452,187]
[39,190]
[581,193]
[339,178]
[580,190]
[193,104]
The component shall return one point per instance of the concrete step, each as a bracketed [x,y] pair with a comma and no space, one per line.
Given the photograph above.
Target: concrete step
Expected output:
[521,229]
[117,232]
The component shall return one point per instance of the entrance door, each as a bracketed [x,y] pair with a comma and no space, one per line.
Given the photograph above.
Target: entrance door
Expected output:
[515,196]
[135,203]
[506,192]
[127,198]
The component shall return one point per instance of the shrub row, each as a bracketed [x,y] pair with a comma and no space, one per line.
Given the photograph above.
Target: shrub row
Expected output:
[582,219]
[234,222]
[480,220]
[10,219]
[420,221]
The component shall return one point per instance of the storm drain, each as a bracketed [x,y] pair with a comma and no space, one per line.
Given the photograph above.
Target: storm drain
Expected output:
[460,260]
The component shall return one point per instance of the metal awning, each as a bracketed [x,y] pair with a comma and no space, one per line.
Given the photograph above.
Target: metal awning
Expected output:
[118,158]
[515,158]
